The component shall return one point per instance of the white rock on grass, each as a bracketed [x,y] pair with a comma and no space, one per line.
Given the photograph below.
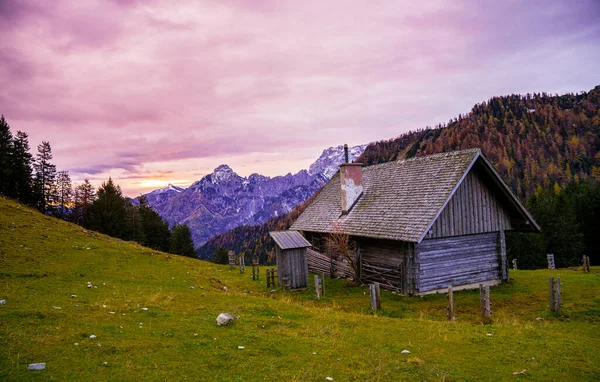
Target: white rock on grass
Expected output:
[240,347]
[2,302]
[93,336]
[36,366]
[224,319]
[144,309]
[73,296]
[329,378]
[57,307]
[404,352]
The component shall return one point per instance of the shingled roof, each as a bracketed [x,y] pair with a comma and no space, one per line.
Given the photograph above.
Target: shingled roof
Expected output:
[289,239]
[400,200]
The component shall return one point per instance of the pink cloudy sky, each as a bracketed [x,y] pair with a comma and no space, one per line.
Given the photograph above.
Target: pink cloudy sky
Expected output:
[150,93]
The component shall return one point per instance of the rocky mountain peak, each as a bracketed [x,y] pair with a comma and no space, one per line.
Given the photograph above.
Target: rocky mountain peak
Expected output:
[224,200]
[223,169]
[327,164]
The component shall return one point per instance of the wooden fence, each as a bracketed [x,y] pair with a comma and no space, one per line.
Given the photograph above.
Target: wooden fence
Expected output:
[319,263]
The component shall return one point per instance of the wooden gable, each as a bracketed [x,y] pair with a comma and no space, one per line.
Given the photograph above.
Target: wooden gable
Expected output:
[474,208]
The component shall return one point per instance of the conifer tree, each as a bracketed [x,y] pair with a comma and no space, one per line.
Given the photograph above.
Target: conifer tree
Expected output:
[108,214]
[134,223]
[21,168]
[64,191]
[6,142]
[155,231]
[181,241]
[220,256]
[83,196]
[45,177]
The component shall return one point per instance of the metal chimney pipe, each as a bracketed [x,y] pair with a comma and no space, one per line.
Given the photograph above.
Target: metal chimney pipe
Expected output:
[346,153]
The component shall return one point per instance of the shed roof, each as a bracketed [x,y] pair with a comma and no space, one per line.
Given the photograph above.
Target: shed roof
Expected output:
[289,239]
[401,200]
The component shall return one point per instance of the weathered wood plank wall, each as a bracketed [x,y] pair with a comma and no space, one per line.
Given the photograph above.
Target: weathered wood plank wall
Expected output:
[457,260]
[472,209]
[294,268]
[382,262]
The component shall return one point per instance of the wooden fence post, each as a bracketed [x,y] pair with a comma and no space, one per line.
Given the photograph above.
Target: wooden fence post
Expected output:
[270,274]
[514,263]
[557,296]
[231,258]
[481,300]
[375,294]
[488,304]
[550,258]
[586,264]
[242,265]
[450,308]
[317,289]
[255,270]
[551,291]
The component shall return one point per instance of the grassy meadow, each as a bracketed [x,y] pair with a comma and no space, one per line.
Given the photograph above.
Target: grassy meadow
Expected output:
[153,316]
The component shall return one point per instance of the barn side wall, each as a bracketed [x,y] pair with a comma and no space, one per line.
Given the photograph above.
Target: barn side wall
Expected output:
[458,260]
[472,209]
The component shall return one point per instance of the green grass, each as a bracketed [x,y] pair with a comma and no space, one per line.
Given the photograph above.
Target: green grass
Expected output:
[44,261]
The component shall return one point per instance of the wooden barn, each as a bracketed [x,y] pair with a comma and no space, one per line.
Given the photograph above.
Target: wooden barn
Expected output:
[420,225]
[292,266]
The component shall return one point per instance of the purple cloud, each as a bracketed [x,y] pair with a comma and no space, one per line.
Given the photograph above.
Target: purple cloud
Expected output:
[152,90]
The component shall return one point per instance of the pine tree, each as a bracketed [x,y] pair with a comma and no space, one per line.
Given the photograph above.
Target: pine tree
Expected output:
[220,256]
[21,168]
[108,213]
[134,223]
[181,241]
[45,177]
[83,197]
[64,192]
[155,231]
[6,143]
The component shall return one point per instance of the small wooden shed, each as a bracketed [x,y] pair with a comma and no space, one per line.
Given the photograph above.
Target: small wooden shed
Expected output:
[292,267]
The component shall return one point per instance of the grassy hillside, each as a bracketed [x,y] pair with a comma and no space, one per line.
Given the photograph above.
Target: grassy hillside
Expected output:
[285,335]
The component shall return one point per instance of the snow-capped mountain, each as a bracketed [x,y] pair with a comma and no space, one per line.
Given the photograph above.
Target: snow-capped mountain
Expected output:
[161,195]
[224,200]
[327,164]
[169,189]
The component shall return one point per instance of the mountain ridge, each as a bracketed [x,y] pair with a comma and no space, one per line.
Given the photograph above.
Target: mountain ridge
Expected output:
[223,200]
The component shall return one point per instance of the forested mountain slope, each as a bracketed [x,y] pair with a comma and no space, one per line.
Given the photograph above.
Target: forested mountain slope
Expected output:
[532,140]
